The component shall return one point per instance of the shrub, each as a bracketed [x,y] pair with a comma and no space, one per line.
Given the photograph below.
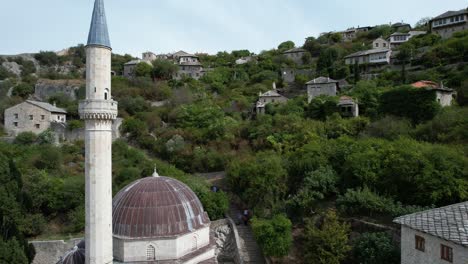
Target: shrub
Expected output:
[47,58]
[273,235]
[389,127]
[76,219]
[26,138]
[372,248]
[23,90]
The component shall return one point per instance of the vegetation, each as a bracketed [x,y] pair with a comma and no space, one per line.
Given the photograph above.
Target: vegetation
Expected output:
[273,235]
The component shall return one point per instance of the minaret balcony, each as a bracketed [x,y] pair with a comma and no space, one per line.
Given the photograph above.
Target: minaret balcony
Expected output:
[98,109]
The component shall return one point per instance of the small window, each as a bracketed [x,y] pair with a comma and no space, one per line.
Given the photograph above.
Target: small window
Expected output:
[58,117]
[94,89]
[376,45]
[16,116]
[446,253]
[150,253]
[42,117]
[37,126]
[420,243]
[15,124]
[31,117]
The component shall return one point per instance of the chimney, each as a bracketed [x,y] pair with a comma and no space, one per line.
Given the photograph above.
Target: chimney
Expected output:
[54,104]
[274,86]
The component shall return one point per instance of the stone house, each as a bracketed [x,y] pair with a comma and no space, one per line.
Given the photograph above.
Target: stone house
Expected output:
[189,65]
[436,236]
[444,95]
[269,97]
[321,86]
[348,107]
[149,56]
[373,57]
[289,74]
[380,43]
[401,27]
[129,67]
[351,33]
[32,116]
[245,60]
[449,22]
[398,38]
[295,54]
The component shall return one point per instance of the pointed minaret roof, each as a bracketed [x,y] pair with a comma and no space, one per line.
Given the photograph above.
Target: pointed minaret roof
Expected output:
[98,34]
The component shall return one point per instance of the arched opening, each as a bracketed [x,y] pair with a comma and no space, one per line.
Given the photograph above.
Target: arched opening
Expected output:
[150,253]
[194,243]
[106,94]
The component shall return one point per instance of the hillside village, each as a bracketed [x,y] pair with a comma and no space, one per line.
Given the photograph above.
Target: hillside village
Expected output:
[355,140]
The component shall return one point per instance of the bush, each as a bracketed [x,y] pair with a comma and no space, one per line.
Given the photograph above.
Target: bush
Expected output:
[273,235]
[389,127]
[26,138]
[47,58]
[371,248]
[76,219]
[449,126]
[322,107]
[23,90]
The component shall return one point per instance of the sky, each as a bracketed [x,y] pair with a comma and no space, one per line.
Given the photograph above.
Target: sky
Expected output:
[163,26]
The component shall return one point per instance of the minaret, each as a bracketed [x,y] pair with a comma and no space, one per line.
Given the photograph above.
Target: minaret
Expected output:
[98,110]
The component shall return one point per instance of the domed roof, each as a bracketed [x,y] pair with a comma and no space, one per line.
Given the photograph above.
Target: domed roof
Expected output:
[156,207]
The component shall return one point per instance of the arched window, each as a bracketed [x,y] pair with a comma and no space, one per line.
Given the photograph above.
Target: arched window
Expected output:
[150,253]
[106,94]
[194,243]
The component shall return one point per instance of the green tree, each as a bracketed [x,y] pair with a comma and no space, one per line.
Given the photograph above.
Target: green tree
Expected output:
[372,248]
[273,235]
[135,128]
[287,45]
[143,69]
[328,243]
[322,107]
[11,251]
[47,58]
[25,138]
[313,46]
[23,90]
[164,69]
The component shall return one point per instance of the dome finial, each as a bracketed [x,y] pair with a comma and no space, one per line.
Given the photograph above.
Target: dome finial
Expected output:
[155,173]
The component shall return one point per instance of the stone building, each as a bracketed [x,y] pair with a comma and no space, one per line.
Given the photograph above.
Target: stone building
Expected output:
[444,95]
[436,236]
[348,107]
[32,116]
[295,54]
[149,56]
[375,56]
[321,86]
[129,67]
[45,88]
[398,38]
[401,27]
[269,97]
[380,43]
[449,22]
[289,74]
[189,65]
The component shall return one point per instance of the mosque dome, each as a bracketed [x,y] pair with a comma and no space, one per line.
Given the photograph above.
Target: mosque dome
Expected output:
[156,207]
[75,256]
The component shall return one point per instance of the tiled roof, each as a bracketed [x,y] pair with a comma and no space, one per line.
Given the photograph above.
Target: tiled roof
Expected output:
[367,52]
[321,80]
[98,34]
[295,50]
[449,222]
[47,107]
[452,13]
[430,85]
[271,93]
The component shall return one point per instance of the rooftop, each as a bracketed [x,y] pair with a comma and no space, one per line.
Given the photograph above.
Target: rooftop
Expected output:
[449,222]
[98,33]
[367,52]
[47,106]
[452,13]
[321,80]
[271,93]
[295,50]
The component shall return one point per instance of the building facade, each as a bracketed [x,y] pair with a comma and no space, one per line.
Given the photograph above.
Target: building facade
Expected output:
[321,86]
[449,22]
[444,95]
[397,38]
[348,107]
[437,236]
[189,66]
[380,43]
[32,116]
[373,56]
[269,97]
[295,54]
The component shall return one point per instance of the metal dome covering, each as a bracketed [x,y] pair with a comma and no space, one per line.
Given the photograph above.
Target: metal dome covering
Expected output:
[75,256]
[98,33]
[156,207]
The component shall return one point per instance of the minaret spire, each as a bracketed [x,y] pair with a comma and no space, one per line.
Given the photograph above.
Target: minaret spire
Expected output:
[98,33]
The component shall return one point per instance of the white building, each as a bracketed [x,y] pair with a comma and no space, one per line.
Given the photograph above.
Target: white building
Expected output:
[444,95]
[269,97]
[449,22]
[373,56]
[321,86]
[380,43]
[398,38]
[437,236]
[32,116]
[348,107]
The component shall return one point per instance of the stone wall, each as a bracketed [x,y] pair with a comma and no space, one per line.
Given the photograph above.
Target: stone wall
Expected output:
[50,252]
[46,88]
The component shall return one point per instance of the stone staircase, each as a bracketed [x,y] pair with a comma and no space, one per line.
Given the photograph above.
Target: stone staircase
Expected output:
[249,250]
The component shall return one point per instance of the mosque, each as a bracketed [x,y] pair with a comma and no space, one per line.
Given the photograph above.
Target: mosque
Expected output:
[152,220]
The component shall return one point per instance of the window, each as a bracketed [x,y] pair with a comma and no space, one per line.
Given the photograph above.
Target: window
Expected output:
[106,94]
[42,117]
[15,124]
[58,117]
[376,45]
[16,116]
[31,117]
[37,126]
[385,45]
[150,253]
[420,243]
[194,243]
[446,253]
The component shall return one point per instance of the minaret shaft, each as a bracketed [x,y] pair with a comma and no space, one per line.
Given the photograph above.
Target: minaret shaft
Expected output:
[98,110]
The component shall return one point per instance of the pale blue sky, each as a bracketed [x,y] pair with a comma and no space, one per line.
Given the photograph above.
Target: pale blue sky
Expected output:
[209,26]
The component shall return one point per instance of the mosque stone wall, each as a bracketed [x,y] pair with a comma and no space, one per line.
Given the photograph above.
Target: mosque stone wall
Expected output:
[49,252]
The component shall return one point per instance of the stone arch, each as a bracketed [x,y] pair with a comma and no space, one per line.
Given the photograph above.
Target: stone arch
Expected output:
[150,252]
[106,94]
[194,243]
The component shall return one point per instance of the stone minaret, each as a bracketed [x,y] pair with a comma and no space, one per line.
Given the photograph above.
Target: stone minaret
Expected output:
[98,110]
